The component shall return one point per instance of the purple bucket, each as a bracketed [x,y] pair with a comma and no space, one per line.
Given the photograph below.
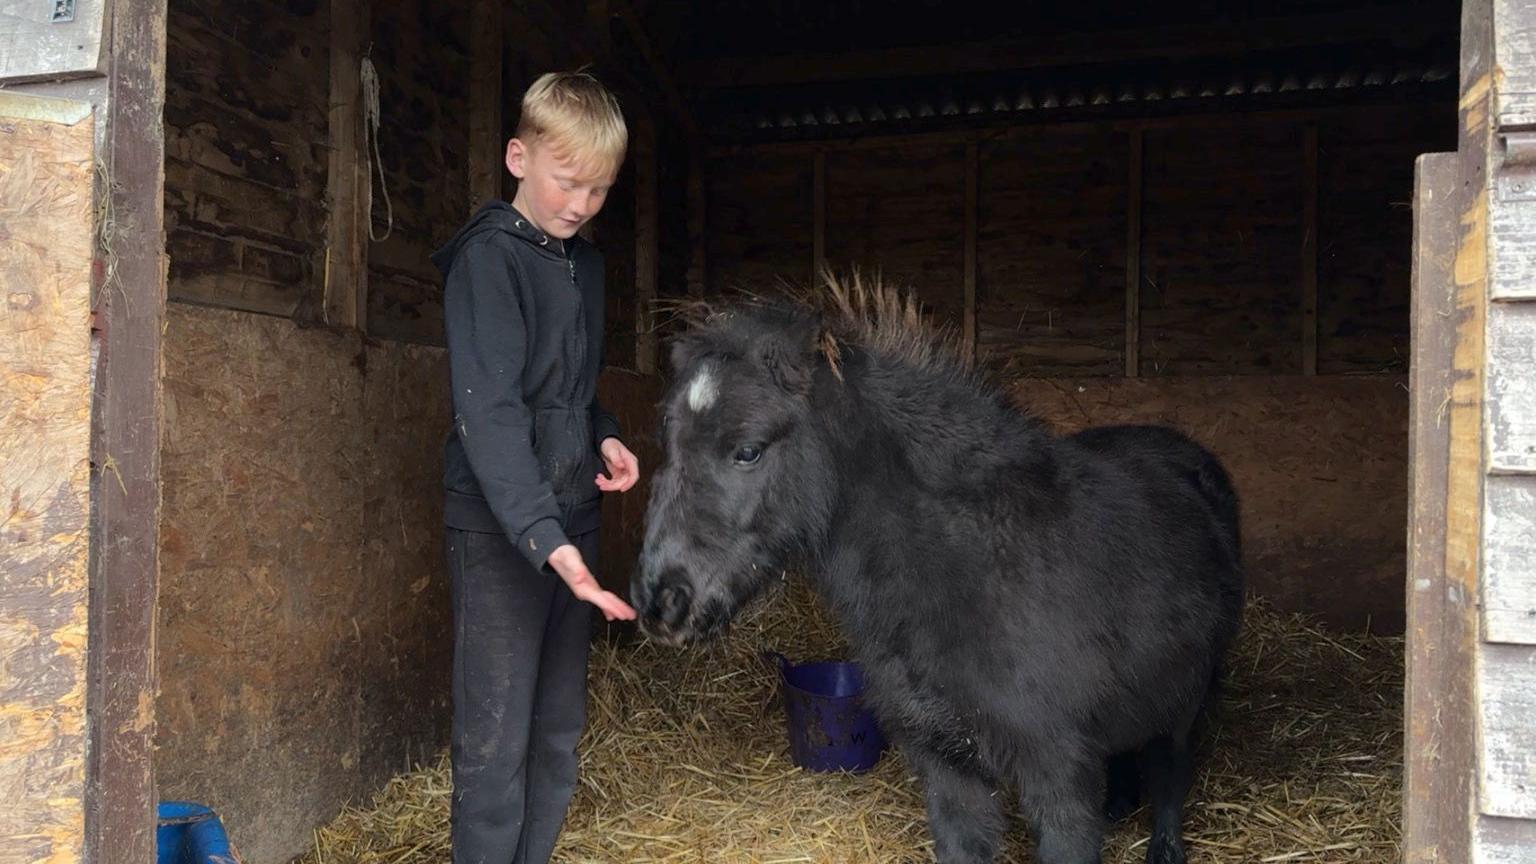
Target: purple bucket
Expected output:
[829,727]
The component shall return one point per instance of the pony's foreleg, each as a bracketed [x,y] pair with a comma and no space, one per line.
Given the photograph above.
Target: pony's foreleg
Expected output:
[1063,797]
[965,810]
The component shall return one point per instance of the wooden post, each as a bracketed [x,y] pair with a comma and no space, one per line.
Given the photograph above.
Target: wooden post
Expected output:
[1309,252]
[647,223]
[348,190]
[125,541]
[485,144]
[698,275]
[1133,257]
[969,325]
[818,215]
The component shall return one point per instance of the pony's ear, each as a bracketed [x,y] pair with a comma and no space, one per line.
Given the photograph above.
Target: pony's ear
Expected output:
[685,349]
[790,355]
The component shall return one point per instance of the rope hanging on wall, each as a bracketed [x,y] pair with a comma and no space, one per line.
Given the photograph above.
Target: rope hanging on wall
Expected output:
[371,132]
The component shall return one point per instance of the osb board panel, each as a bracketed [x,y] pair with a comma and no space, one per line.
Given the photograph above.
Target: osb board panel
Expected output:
[902,211]
[1221,250]
[421,52]
[1319,463]
[246,119]
[758,227]
[1365,232]
[1050,252]
[46,211]
[404,666]
[302,604]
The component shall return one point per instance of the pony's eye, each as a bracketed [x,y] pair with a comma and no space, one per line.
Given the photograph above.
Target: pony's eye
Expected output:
[748,454]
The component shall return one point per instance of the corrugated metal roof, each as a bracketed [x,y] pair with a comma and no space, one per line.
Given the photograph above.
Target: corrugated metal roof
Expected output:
[764,112]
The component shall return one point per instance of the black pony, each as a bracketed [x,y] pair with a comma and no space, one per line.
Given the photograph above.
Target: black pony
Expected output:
[1030,610]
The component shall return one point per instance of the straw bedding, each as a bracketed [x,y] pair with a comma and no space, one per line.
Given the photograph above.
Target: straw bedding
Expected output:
[685,759]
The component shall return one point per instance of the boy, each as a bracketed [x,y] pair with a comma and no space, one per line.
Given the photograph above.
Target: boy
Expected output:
[523,314]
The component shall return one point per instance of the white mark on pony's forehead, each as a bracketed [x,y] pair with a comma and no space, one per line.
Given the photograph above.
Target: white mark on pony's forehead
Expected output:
[703,390]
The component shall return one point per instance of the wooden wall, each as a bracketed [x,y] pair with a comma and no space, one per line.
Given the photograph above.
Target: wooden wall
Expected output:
[305,642]
[304,648]
[1215,233]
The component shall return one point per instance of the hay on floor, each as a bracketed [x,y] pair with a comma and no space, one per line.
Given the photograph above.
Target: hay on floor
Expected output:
[685,759]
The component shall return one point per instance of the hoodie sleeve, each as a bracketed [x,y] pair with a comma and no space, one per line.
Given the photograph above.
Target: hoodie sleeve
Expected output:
[487,342]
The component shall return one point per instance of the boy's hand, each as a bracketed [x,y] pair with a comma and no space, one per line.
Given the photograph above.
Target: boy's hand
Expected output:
[623,467]
[567,562]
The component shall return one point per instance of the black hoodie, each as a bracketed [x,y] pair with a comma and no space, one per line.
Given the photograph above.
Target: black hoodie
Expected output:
[523,316]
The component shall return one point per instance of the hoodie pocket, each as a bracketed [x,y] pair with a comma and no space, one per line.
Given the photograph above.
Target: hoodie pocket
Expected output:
[562,441]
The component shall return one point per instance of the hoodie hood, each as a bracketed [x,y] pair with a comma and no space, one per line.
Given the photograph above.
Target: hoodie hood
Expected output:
[501,217]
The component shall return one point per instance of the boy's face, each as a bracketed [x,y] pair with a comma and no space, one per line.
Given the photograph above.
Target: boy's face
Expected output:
[553,190]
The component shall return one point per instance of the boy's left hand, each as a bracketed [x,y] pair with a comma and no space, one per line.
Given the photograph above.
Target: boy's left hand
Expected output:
[623,467]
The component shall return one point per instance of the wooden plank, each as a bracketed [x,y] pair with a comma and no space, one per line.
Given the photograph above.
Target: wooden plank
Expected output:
[1221,231]
[1399,21]
[760,220]
[1506,684]
[1509,565]
[1133,258]
[1503,841]
[1440,628]
[1309,251]
[818,215]
[47,166]
[883,218]
[1050,259]
[1512,386]
[1512,239]
[120,817]
[1514,50]
[968,317]
[33,46]
[485,144]
[647,240]
[345,280]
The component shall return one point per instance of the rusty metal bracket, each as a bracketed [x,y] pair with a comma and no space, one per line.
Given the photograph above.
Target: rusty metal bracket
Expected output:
[1516,178]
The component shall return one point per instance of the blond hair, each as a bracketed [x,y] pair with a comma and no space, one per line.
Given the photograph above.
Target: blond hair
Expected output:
[577,117]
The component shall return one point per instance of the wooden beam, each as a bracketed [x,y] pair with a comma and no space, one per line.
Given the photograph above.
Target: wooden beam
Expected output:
[345,281]
[818,215]
[1309,251]
[1438,698]
[1400,21]
[1449,279]
[1133,190]
[647,240]
[969,325]
[486,146]
[126,428]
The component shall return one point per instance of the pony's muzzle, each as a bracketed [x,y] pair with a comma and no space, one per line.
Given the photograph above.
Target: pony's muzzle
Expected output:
[664,603]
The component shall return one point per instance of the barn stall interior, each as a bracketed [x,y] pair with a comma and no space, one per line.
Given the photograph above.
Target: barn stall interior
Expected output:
[1194,213]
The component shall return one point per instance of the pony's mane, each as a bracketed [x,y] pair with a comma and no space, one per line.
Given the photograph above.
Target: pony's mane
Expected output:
[867,313]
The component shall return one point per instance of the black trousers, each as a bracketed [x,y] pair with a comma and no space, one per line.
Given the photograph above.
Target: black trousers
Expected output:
[519,699]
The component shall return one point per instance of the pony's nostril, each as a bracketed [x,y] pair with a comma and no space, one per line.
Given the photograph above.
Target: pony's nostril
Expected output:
[672,602]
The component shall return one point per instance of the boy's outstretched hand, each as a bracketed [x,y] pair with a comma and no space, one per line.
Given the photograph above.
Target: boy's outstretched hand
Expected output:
[623,467]
[567,562]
